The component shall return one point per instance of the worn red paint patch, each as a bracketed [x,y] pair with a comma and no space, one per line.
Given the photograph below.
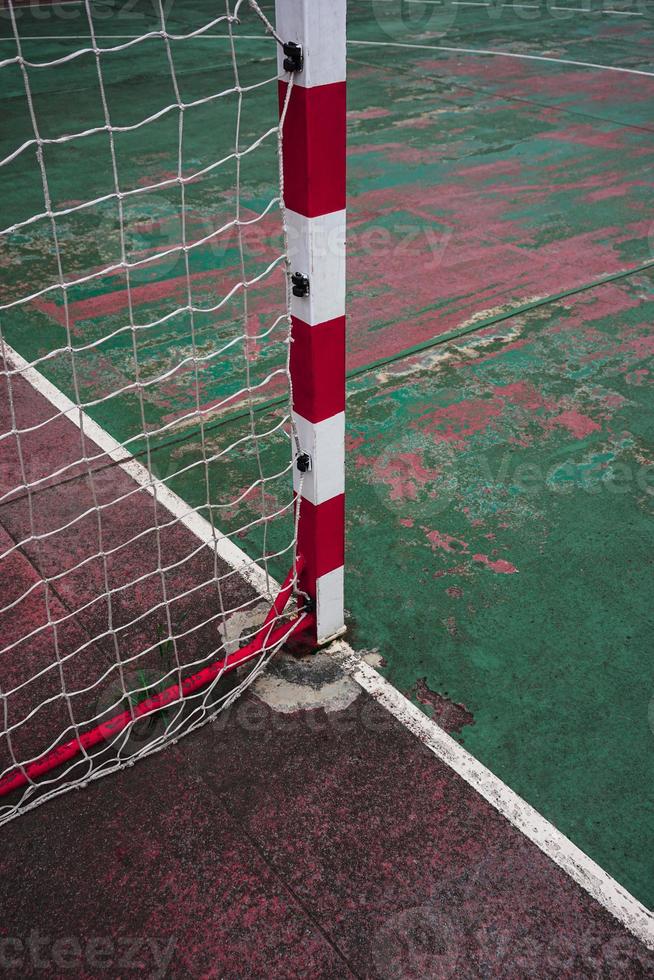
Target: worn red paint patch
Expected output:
[641,345]
[115,298]
[374,112]
[445,541]
[584,310]
[499,565]
[637,377]
[519,79]
[578,424]
[497,168]
[613,400]
[584,134]
[402,153]
[461,569]
[468,255]
[450,715]
[524,394]
[404,473]
[456,423]
[353,442]
[503,350]
[618,190]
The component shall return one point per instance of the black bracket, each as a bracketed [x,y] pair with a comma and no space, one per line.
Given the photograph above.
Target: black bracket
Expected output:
[294,60]
[308,605]
[303,462]
[300,284]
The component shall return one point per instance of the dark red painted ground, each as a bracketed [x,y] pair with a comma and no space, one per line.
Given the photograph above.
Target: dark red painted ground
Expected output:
[295,846]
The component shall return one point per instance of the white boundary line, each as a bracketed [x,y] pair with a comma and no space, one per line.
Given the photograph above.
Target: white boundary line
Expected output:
[500,54]
[198,525]
[509,6]
[577,865]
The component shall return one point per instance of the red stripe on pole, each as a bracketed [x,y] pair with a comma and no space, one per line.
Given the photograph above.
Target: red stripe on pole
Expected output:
[318,368]
[314,148]
[267,637]
[321,543]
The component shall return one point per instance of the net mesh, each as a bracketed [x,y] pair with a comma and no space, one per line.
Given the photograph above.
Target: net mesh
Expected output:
[146,505]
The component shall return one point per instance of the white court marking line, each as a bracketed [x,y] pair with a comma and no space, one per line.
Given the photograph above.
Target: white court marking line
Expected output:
[500,54]
[577,865]
[198,525]
[503,5]
[473,3]
[584,10]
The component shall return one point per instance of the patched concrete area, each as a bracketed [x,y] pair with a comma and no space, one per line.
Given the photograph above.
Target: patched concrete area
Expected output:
[293,684]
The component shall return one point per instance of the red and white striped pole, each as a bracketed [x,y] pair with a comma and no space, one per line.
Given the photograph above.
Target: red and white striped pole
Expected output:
[314,197]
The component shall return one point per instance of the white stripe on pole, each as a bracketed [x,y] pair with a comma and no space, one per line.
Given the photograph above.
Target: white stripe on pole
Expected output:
[316,247]
[319,26]
[329,602]
[324,441]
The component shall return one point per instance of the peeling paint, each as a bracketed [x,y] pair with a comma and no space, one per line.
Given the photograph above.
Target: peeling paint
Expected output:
[452,717]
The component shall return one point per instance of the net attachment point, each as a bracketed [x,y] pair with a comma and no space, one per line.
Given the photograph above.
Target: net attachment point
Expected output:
[294,57]
[300,284]
[303,462]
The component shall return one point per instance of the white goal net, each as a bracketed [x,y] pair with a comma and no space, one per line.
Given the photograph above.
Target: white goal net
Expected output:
[146,504]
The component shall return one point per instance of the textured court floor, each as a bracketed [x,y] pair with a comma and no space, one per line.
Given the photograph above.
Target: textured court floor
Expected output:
[507,476]
[304,845]
[500,406]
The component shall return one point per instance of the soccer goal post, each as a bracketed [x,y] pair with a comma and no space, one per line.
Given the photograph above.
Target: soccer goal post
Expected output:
[172,379]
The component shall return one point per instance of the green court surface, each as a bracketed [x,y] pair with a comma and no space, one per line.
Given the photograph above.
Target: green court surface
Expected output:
[500,405]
